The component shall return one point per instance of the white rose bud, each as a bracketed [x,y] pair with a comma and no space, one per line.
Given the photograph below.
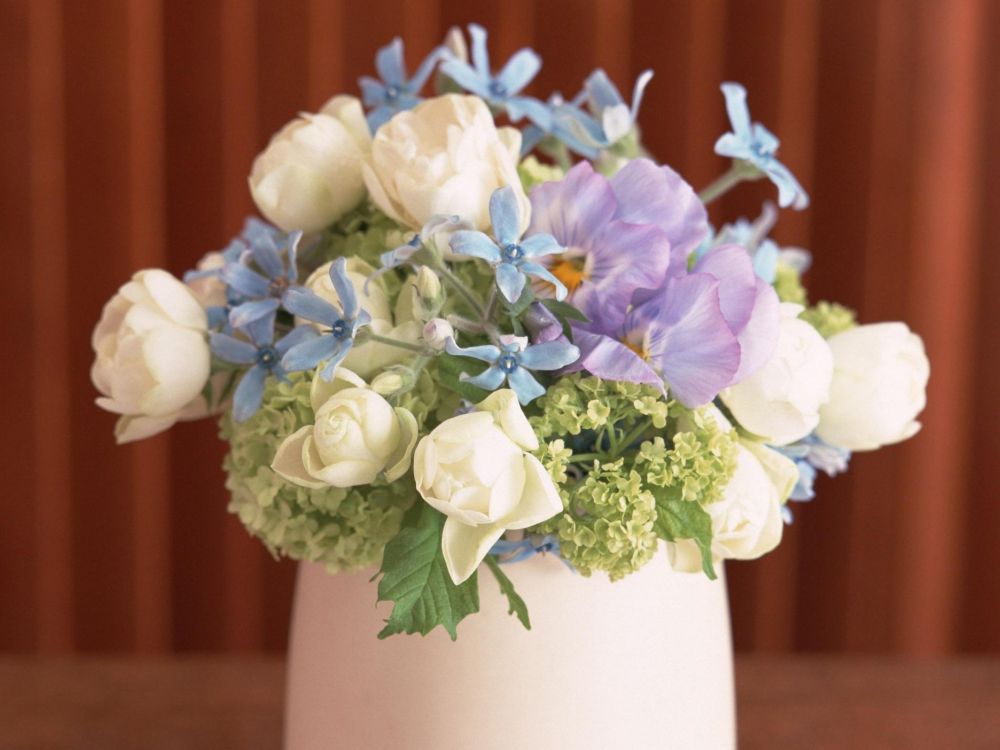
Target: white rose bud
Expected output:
[437,332]
[370,357]
[152,357]
[880,375]
[356,435]
[445,157]
[475,468]
[746,521]
[780,402]
[310,173]
[428,286]
[387,383]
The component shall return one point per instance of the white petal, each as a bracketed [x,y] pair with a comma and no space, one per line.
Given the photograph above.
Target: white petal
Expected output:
[288,461]
[465,546]
[540,500]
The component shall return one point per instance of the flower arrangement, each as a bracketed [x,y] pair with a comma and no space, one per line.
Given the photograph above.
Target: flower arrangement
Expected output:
[479,327]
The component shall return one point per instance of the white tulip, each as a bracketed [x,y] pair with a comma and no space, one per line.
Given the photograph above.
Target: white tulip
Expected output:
[356,435]
[445,157]
[310,173]
[746,521]
[152,357]
[780,402]
[370,357]
[880,375]
[475,469]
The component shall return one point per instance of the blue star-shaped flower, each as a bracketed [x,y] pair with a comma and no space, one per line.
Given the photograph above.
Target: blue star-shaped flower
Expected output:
[262,354]
[501,90]
[395,92]
[512,361]
[812,455]
[510,256]
[262,291]
[339,327]
[755,144]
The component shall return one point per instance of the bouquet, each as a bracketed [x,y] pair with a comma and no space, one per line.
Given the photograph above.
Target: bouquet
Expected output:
[479,327]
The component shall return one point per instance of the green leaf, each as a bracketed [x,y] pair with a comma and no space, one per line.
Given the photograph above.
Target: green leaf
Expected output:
[522,304]
[564,310]
[684,519]
[416,580]
[450,369]
[515,602]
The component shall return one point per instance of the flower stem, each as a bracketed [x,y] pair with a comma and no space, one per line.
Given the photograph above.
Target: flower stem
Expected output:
[462,289]
[736,174]
[389,341]
[587,457]
[631,437]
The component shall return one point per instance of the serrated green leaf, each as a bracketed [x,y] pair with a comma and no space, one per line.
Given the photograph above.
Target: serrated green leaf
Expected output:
[450,369]
[415,579]
[516,605]
[684,519]
[564,310]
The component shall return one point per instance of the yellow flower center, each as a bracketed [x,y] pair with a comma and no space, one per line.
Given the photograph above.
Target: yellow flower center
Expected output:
[570,273]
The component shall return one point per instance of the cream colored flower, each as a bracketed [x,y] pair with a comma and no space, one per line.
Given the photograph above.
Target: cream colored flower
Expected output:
[780,402]
[310,173]
[880,375]
[445,157]
[475,468]
[152,357]
[356,435]
[370,357]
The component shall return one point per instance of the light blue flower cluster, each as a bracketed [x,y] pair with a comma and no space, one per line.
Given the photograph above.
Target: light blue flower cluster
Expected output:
[811,455]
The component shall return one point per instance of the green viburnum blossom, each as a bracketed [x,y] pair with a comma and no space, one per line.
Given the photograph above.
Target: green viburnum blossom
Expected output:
[533,172]
[365,232]
[788,285]
[343,529]
[830,318]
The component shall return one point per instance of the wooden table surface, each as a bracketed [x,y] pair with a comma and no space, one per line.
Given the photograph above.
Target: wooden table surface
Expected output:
[218,703]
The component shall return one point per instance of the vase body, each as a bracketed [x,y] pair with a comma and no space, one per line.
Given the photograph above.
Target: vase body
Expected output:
[645,662]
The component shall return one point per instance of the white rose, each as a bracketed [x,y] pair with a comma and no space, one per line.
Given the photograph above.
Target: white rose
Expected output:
[475,469]
[356,435]
[310,173]
[746,520]
[368,358]
[880,375]
[444,157]
[152,356]
[780,402]
[210,291]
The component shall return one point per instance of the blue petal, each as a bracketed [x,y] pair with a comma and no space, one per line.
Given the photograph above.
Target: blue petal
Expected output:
[296,336]
[266,256]
[261,330]
[538,112]
[790,192]
[549,356]
[389,63]
[640,87]
[243,315]
[243,280]
[474,244]
[541,244]
[426,68]
[511,281]
[543,273]
[519,70]
[489,379]
[344,288]
[525,386]
[480,54]
[308,354]
[505,215]
[292,274]
[246,399]
[232,350]
[373,91]
[333,363]
[379,117]
[466,77]
[306,304]
[601,92]
[736,107]
[733,147]
[484,353]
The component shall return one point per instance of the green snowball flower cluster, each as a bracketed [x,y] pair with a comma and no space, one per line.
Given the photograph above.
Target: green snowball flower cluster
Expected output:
[637,447]
[343,529]
[788,285]
[830,318]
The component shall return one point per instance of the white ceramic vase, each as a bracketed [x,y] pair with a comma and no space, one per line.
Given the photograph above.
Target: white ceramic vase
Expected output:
[642,663]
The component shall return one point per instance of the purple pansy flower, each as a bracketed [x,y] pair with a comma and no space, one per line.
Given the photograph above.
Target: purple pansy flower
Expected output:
[512,258]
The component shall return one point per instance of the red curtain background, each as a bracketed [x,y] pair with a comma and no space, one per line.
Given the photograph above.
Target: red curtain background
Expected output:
[127,128]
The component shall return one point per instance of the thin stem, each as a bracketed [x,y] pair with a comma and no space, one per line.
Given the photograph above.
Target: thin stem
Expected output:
[736,174]
[389,341]
[462,289]
[587,457]
[632,436]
